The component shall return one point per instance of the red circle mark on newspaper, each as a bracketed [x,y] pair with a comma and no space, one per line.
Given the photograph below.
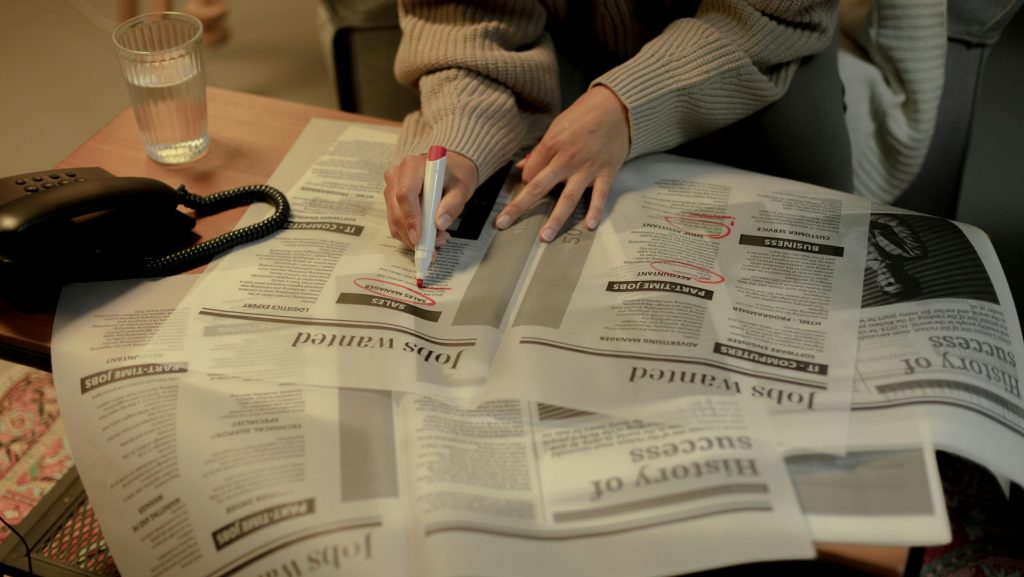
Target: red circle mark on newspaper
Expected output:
[686,271]
[393,291]
[713,226]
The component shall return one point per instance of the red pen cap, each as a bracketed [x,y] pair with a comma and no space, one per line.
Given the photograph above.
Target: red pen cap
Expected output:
[436,152]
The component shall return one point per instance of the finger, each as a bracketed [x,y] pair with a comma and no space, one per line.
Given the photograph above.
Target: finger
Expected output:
[538,160]
[531,192]
[567,201]
[460,184]
[522,161]
[442,238]
[519,204]
[598,198]
[451,205]
[407,199]
[394,219]
[393,229]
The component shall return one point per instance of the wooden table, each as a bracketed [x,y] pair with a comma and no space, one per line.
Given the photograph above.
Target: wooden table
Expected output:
[249,137]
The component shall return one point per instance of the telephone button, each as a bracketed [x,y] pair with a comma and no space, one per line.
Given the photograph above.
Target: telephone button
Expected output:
[31,188]
[55,176]
[70,174]
[20,181]
[48,185]
[37,178]
[63,182]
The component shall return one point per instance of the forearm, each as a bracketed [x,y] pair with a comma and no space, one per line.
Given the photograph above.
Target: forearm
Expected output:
[703,73]
[486,75]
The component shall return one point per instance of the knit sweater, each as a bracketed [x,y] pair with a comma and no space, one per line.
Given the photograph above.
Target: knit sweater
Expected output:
[487,74]
[893,68]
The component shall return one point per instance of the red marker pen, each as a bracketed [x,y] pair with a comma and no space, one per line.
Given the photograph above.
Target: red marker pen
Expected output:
[433,185]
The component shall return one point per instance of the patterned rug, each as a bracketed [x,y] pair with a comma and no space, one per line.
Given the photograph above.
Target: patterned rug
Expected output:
[988,527]
[33,452]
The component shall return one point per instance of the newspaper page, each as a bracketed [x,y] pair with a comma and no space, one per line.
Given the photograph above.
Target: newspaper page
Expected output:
[191,475]
[516,488]
[940,340]
[879,493]
[198,474]
[182,449]
[332,300]
[936,367]
[700,276]
[706,279]
[234,458]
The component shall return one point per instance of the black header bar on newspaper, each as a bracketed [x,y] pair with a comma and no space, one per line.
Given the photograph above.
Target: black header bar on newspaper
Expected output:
[790,244]
[770,360]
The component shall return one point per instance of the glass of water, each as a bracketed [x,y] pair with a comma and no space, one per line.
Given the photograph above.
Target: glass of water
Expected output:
[162,64]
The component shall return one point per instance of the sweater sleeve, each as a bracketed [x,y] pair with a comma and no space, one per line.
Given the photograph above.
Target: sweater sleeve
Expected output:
[893,75]
[486,75]
[730,60]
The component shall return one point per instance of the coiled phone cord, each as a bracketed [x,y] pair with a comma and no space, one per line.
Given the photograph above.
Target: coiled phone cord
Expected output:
[193,256]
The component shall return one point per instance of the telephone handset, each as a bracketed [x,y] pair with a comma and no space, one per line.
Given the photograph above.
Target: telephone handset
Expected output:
[86,224]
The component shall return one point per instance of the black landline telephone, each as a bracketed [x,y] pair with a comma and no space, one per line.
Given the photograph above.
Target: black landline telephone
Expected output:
[78,224]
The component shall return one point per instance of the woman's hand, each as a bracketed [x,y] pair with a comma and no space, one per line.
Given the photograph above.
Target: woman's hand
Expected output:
[583,147]
[403,184]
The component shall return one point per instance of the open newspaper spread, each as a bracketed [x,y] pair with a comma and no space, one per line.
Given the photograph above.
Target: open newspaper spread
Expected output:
[702,279]
[244,421]
[193,475]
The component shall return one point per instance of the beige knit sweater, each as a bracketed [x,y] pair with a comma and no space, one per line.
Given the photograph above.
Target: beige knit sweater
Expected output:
[893,68]
[488,79]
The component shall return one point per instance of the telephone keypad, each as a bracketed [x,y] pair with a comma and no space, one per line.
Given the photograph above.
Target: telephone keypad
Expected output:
[13,187]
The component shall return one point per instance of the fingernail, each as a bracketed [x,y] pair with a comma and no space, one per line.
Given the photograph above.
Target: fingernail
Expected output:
[547,234]
[592,223]
[443,221]
[502,222]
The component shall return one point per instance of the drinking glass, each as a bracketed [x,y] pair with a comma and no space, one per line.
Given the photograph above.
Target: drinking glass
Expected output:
[162,64]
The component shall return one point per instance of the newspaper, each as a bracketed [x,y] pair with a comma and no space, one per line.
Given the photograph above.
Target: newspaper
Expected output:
[301,406]
[940,340]
[701,279]
[193,474]
[879,492]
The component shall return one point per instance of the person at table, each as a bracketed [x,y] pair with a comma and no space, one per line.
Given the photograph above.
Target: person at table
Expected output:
[750,83]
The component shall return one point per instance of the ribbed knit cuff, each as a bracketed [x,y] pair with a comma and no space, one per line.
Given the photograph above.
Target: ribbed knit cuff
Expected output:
[706,72]
[482,124]
[669,87]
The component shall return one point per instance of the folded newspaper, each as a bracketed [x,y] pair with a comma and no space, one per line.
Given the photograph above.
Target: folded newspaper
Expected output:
[730,367]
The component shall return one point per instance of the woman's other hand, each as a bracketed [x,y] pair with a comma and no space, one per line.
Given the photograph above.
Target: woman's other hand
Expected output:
[584,147]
